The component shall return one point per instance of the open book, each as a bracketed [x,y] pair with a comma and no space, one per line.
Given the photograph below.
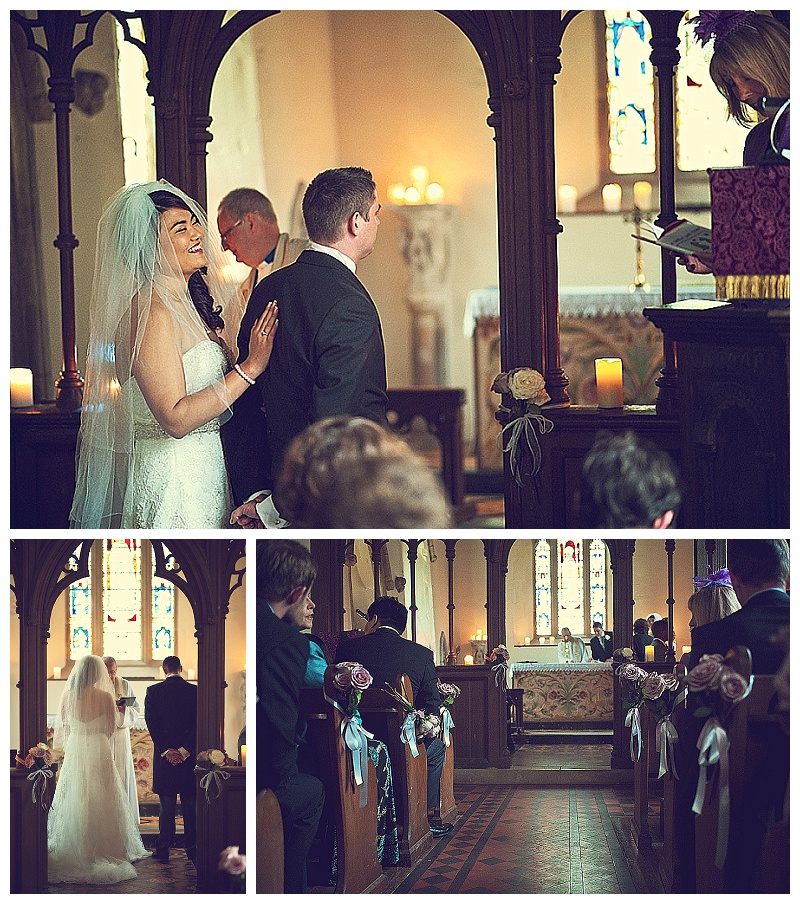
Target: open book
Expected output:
[682,236]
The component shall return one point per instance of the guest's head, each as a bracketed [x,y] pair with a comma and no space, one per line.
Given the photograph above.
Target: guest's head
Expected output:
[248,225]
[301,615]
[711,602]
[597,628]
[285,573]
[627,481]
[750,59]
[661,629]
[640,626]
[386,611]
[756,565]
[171,665]
[340,208]
[343,472]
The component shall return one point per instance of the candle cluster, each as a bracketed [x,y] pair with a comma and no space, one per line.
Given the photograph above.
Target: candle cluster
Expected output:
[420,190]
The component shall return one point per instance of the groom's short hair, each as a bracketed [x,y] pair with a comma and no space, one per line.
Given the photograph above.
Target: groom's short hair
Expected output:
[171,665]
[281,567]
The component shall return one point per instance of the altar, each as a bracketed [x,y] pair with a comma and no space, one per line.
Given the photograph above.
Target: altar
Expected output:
[565,695]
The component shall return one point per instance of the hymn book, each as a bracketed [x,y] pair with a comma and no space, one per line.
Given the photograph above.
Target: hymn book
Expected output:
[682,236]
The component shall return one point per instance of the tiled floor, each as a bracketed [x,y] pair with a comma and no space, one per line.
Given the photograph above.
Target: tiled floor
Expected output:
[535,841]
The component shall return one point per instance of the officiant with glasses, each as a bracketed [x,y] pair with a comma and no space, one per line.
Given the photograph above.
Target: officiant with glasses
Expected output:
[127,713]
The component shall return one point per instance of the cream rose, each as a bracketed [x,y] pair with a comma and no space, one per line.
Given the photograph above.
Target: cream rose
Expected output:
[732,686]
[706,674]
[653,686]
[527,384]
[216,757]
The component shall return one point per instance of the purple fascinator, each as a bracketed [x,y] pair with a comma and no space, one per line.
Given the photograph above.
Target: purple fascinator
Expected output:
[719,23]
[721,578]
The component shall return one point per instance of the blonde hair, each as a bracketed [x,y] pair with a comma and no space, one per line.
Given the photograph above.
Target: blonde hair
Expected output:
[711,603]
[757,50]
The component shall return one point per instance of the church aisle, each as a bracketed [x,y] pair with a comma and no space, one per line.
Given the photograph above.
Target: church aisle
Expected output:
[535,841]
[177,877]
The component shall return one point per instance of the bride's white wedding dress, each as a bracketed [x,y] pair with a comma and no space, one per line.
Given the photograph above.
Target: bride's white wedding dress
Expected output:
[91,837]
[179,483]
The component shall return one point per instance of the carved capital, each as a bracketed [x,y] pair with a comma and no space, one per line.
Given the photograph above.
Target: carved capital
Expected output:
[517,87]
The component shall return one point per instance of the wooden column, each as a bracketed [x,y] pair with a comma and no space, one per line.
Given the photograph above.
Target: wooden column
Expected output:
[621,552]
[413,547]
[450,553]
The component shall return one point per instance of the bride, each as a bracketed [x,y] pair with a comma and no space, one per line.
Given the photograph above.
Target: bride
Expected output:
[160,377]
[91,836]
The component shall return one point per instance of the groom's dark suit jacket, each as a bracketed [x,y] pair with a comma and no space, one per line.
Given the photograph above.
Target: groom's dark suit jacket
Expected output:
[170,710]
[328,359]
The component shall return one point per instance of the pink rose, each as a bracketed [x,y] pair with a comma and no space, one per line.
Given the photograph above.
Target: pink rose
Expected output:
[653,686]
[341,677]
[360,677]
[706,674]
[631,672]
[231,861]
[732,686]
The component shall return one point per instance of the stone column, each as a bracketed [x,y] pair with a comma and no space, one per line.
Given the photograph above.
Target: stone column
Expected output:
[427,250]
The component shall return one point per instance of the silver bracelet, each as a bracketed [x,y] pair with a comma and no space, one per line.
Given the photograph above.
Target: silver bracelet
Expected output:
[243,375]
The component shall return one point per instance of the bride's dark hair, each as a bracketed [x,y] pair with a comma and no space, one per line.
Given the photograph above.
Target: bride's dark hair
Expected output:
[198,290]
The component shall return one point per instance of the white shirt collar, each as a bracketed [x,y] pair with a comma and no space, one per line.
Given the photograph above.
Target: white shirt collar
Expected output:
[388,628]
[326,249]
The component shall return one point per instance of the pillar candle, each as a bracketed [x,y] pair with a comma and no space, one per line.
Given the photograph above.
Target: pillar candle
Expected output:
[244,754]
[643,195]
[612,197]
[57,672]
[527,641]
[21,387]
[608,373]
[567,198]
[648,654]
[468,660]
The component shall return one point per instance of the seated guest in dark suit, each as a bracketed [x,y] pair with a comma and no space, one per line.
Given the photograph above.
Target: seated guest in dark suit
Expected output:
[660,639]
[285,572]
[385,654]
[759,573]
[641,638]
[602,644]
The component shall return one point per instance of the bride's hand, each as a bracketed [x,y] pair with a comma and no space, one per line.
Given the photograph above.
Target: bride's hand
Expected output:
[262,336]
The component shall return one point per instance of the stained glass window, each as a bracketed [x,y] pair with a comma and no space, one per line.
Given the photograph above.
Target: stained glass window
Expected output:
[106,612]
[568,593]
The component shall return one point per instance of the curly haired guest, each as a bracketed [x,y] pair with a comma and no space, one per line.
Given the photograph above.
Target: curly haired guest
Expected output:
[347,472]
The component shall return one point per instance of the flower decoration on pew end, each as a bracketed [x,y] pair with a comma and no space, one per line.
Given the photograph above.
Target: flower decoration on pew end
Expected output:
[40,762]
[211,763]
[349,681]
[498,659]
[522,418]
[714,690]
[418,725]
[234,865]
[449,693]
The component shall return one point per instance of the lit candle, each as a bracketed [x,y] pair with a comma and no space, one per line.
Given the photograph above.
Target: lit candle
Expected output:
[434,193]
[244,754]
[608,373]
[21,387]
[191,674]
[527,641]
[397,192]
[57,672]
[685,649]
[612,197]
[567,198]
[648,654]
[642,195]
[468,660]
[412,195]
[419,178]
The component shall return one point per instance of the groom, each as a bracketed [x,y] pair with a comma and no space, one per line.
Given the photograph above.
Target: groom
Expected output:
[170,710]
[328,356]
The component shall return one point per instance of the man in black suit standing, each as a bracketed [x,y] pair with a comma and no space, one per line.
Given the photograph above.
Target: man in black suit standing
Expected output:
[385,653]
[602,644]
[759,571]
[285,572]
[328,358]
[170,710]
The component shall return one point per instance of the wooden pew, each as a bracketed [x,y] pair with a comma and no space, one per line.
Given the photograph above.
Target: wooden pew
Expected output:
[384,717]
[358,868]
[269,845]
[758,755]
[448,811]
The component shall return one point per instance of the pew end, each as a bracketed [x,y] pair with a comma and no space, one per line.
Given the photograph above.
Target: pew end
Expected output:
[269,844]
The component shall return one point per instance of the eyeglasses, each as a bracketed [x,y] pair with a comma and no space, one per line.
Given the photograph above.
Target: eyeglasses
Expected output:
[228,231]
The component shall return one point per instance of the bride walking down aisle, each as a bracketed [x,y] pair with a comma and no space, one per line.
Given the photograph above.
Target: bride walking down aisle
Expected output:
[91,835]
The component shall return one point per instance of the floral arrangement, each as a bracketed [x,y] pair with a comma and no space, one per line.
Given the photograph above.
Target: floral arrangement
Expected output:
[714,690]
[500,656]
[39,761]
[350,679]
[522,418]
[418,724]
[660,693]
[234,864]
[211,763]
[449,693]
[623,654]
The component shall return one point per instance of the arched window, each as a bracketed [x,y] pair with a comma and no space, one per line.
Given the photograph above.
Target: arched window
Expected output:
[122,609]
[570,579]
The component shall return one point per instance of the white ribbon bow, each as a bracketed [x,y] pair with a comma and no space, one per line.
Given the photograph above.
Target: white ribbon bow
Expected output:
[714,745]
[632,720]
[666,738]
[524,427]
[408,733]
[354,737]
[447,724]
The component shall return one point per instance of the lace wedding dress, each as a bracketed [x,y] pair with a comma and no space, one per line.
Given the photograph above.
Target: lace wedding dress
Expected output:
[179,483]
[91,837]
